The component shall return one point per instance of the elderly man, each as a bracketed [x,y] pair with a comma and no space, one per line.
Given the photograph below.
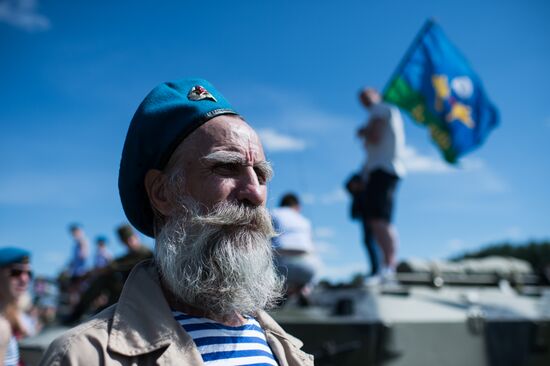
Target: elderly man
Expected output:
[193,174]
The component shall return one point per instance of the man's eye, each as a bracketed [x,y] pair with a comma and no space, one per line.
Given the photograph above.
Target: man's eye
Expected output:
[262,179]
[225,168]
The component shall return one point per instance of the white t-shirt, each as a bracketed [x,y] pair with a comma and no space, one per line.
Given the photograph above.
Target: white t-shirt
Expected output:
[387,154]
[294,229]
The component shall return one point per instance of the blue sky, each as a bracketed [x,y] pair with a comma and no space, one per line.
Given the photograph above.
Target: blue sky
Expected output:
[73,73]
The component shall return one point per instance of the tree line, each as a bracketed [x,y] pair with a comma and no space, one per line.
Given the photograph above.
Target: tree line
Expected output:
[537,253]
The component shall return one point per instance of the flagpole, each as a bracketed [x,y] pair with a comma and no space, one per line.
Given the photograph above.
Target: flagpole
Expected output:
[425,28]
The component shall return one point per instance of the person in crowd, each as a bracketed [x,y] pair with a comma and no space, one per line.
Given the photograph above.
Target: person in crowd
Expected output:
[15,276]
[80,252]
[294,247]
[102,255]
[384,140]
[106,285]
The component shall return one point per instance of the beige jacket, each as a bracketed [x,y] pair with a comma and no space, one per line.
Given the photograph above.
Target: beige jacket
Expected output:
[140,330]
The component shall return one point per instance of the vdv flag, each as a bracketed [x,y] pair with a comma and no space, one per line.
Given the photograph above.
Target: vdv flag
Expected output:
[437,86]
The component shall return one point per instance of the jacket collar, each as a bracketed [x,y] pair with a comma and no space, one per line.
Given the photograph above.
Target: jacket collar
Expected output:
[143,321]
[271,326]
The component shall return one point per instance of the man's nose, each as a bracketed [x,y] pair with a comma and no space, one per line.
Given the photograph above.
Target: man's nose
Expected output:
[250,191]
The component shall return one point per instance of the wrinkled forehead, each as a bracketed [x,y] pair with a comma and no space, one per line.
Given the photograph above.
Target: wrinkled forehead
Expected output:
[222,133]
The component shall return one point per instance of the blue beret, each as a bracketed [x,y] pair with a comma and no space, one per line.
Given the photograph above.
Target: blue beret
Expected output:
[101,238]
[167,115]
[10,255]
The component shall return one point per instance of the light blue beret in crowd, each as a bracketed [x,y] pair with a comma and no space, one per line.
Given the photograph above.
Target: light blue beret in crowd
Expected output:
[101,239]
[167,115]
[11,255]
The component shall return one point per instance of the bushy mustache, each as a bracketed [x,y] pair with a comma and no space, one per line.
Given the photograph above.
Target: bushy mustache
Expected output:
[229,216]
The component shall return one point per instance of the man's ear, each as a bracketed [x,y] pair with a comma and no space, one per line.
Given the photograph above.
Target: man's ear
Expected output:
[155,184]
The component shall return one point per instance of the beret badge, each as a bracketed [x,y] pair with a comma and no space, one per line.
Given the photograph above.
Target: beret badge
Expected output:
[199,92]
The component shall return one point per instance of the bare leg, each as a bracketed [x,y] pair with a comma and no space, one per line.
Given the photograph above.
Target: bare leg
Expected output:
[371,246]
[386,237]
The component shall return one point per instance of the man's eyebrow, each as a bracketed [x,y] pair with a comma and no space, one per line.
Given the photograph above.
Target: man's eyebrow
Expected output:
[265,168]
[233,157]
[217,157]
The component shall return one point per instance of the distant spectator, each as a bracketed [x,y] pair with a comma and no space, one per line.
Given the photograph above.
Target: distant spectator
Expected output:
[105,289]
[384,139]
[15,275]
[102,255]
[77,265]
[294,250]
[28,315]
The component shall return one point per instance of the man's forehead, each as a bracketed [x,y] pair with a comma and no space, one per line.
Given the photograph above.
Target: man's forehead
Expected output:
[228,129]
[223,133]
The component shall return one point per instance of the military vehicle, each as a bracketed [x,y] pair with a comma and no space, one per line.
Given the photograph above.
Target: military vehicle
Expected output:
[476,312]
[493,311]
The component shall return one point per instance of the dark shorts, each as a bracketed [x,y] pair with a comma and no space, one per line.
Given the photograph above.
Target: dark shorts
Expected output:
[379,195]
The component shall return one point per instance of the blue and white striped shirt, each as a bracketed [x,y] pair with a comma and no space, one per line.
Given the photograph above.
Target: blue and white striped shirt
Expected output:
[220,344]
[12,353]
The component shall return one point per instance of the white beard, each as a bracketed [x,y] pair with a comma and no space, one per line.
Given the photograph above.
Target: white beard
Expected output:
[220,262]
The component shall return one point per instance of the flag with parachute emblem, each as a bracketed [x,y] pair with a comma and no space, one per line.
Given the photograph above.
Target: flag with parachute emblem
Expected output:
[436,85]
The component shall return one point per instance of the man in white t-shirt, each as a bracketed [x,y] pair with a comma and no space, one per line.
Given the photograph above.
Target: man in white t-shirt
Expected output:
[384,141]
[293,246]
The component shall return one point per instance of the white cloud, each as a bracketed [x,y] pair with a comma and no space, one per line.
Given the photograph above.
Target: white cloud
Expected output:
[276,141]
[451,248]
[325,247]
[491,183]
[55,188]
[472,164]
[416,162]
[310,118]
[295,111]
[513,233]
[336,196]
[485,178]
[324,232]
[22,189]
[309,199]
[55,258]
[23,14]
[456,244]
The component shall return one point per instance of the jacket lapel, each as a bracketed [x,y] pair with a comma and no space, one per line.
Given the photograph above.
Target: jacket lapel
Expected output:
[143,321]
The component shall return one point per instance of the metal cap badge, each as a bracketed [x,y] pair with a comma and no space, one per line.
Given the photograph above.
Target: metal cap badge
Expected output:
[198,92]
